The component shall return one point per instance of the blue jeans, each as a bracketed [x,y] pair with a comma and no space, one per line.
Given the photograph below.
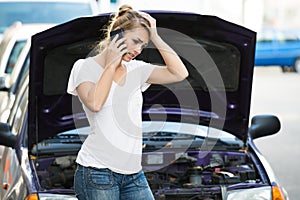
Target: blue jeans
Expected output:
[104,184]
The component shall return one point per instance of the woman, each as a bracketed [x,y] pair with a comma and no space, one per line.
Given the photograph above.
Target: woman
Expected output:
[110,86]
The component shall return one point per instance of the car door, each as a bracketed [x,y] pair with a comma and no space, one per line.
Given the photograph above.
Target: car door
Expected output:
[13,184]
[266,48]
[288,48]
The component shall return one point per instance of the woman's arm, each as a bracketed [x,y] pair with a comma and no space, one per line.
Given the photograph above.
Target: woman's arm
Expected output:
[94,95]
[175,70]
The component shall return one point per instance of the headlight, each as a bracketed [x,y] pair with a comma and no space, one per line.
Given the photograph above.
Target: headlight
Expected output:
[262,193]
[56,197]
[45,196]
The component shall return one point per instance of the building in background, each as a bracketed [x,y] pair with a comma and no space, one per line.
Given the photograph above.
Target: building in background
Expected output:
[282,14]
[237,11]
[253,14]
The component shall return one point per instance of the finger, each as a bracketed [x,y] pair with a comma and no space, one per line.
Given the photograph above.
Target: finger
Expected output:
[115,38]
[143,13]
[124,51]
[147,16]
[115,43]
[120,41]
[123,47]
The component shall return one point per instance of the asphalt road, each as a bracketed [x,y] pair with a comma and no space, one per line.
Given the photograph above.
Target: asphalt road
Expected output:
[275,92]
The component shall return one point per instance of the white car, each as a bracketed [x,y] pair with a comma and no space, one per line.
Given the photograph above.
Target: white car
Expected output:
[14,61]
[14,51]
[14,40]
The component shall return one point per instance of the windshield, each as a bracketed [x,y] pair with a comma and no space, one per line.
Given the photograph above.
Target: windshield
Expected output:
[41,12]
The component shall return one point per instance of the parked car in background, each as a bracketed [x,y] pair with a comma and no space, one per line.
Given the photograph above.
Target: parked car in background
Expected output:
[278,48]
[14,40]
[13,82]
[14,63]
[9,158]
[196,143]
[43,11]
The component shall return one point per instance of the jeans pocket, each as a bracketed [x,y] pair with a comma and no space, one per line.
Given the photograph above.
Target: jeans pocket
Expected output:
[139,179]
[100,178]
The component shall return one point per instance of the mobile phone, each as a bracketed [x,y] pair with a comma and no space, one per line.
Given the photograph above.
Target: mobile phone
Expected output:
[115,32]
[121,35]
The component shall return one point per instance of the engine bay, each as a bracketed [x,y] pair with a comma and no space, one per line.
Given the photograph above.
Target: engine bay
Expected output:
[201,175]
[189,175]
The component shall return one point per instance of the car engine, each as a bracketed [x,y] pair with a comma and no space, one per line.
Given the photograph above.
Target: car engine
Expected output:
[193,174]
[201,175]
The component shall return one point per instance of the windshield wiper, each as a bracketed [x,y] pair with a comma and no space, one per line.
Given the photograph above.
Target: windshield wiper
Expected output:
[157,140]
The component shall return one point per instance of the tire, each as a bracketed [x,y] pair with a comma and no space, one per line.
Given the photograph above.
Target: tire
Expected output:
[297,65]
[286,69]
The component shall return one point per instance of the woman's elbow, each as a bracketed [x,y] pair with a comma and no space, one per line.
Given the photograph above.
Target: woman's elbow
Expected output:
[183,76]
[94,107]
[186,74]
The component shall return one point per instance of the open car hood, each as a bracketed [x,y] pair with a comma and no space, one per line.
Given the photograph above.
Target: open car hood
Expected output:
[219,56]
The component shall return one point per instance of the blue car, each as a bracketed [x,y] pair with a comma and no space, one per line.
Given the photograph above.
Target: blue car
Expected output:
[278,48]
[197,142]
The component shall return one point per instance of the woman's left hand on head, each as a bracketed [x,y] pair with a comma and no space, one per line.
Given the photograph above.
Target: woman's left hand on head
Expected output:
[152,23]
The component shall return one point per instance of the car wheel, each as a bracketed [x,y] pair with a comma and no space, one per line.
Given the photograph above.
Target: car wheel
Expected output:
[297,65]
[286,69]
[283,68]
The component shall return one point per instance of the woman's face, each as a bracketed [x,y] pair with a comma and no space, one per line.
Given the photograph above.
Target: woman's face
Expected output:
[136,40]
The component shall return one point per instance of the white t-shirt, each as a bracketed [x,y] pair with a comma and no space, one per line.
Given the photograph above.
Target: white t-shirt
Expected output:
[115,140]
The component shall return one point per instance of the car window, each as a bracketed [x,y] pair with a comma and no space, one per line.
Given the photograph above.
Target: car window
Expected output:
[288,37]
[40,12]
[279,36]
[21,76]
[265,37]
[14,56]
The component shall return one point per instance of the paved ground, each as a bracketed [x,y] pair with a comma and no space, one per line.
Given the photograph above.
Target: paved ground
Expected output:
[278,93]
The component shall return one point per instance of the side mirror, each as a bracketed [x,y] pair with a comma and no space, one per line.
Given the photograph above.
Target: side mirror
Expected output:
[6,137]
[264,125]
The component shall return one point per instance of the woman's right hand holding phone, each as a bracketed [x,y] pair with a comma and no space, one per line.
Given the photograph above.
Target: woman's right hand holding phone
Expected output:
[115,50]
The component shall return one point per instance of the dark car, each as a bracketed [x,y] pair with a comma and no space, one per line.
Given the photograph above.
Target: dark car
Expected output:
[196,139]
[278,48]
